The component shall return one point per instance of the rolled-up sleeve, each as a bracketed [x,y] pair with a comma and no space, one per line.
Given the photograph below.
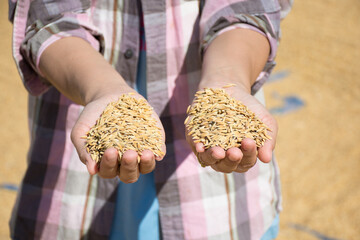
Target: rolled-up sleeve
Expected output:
[219,16]
[39,24]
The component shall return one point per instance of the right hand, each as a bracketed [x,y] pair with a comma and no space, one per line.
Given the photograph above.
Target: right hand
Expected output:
[83,75]
[109,167]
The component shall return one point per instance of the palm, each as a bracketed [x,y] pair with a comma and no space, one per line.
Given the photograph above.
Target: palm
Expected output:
[243,158]
[109,166]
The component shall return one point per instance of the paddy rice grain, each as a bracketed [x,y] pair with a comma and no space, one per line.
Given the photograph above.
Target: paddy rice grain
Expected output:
[216,119]
[126,124]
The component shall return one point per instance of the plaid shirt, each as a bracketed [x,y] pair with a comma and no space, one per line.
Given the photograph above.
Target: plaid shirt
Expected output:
[58,199]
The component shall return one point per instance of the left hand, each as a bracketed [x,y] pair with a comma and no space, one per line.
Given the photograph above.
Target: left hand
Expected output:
[239,159]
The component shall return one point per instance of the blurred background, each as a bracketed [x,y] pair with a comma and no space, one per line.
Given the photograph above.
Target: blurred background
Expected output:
[314,93]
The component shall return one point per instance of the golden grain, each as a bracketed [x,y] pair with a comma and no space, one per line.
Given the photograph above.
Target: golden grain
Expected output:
[216,119]
[126,124]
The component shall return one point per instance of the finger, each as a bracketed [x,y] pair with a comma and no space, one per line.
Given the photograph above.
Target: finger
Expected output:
[199,147]
[215,168]
[248,148]
[163,146]
[91,166]
[266,151]
[231,161]
[109,164]
[163,149]
[212,155]
[196,147]
[76,137]
[147,162]
[129,171]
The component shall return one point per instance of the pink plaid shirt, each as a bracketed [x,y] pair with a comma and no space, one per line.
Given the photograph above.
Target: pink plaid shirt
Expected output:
[58,199]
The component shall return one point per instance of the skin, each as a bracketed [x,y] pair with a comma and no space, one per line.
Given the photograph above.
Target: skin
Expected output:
[237,56]
[74,68]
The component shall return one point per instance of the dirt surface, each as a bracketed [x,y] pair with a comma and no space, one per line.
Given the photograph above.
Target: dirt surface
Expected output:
[314,95]
[317,145]
[14,139]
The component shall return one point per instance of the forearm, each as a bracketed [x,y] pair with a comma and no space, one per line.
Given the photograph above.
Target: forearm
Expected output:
[79,71]
[237,56]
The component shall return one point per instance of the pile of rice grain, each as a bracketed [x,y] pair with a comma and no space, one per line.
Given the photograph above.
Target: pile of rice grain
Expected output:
[126,124]
[216,119]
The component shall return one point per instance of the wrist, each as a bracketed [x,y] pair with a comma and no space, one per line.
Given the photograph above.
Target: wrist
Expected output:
[79,72]
[236,56]
[111,88]
[97,79]
[218,81]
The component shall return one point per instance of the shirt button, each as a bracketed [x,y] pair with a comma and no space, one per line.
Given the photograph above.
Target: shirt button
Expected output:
[128,54]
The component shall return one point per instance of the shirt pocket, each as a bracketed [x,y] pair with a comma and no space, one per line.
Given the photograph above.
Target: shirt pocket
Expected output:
[47,11]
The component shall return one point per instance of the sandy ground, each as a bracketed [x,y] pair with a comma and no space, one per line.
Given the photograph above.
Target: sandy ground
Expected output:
[314,95]
[14,139]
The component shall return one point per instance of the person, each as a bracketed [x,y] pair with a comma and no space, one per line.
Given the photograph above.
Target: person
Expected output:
[77,56]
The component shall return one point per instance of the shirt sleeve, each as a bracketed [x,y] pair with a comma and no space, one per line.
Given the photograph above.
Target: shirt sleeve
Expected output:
[38,24]
[219,16]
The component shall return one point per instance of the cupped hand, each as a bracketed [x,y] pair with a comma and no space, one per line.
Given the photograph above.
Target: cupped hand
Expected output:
[239,159]
[130,169]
